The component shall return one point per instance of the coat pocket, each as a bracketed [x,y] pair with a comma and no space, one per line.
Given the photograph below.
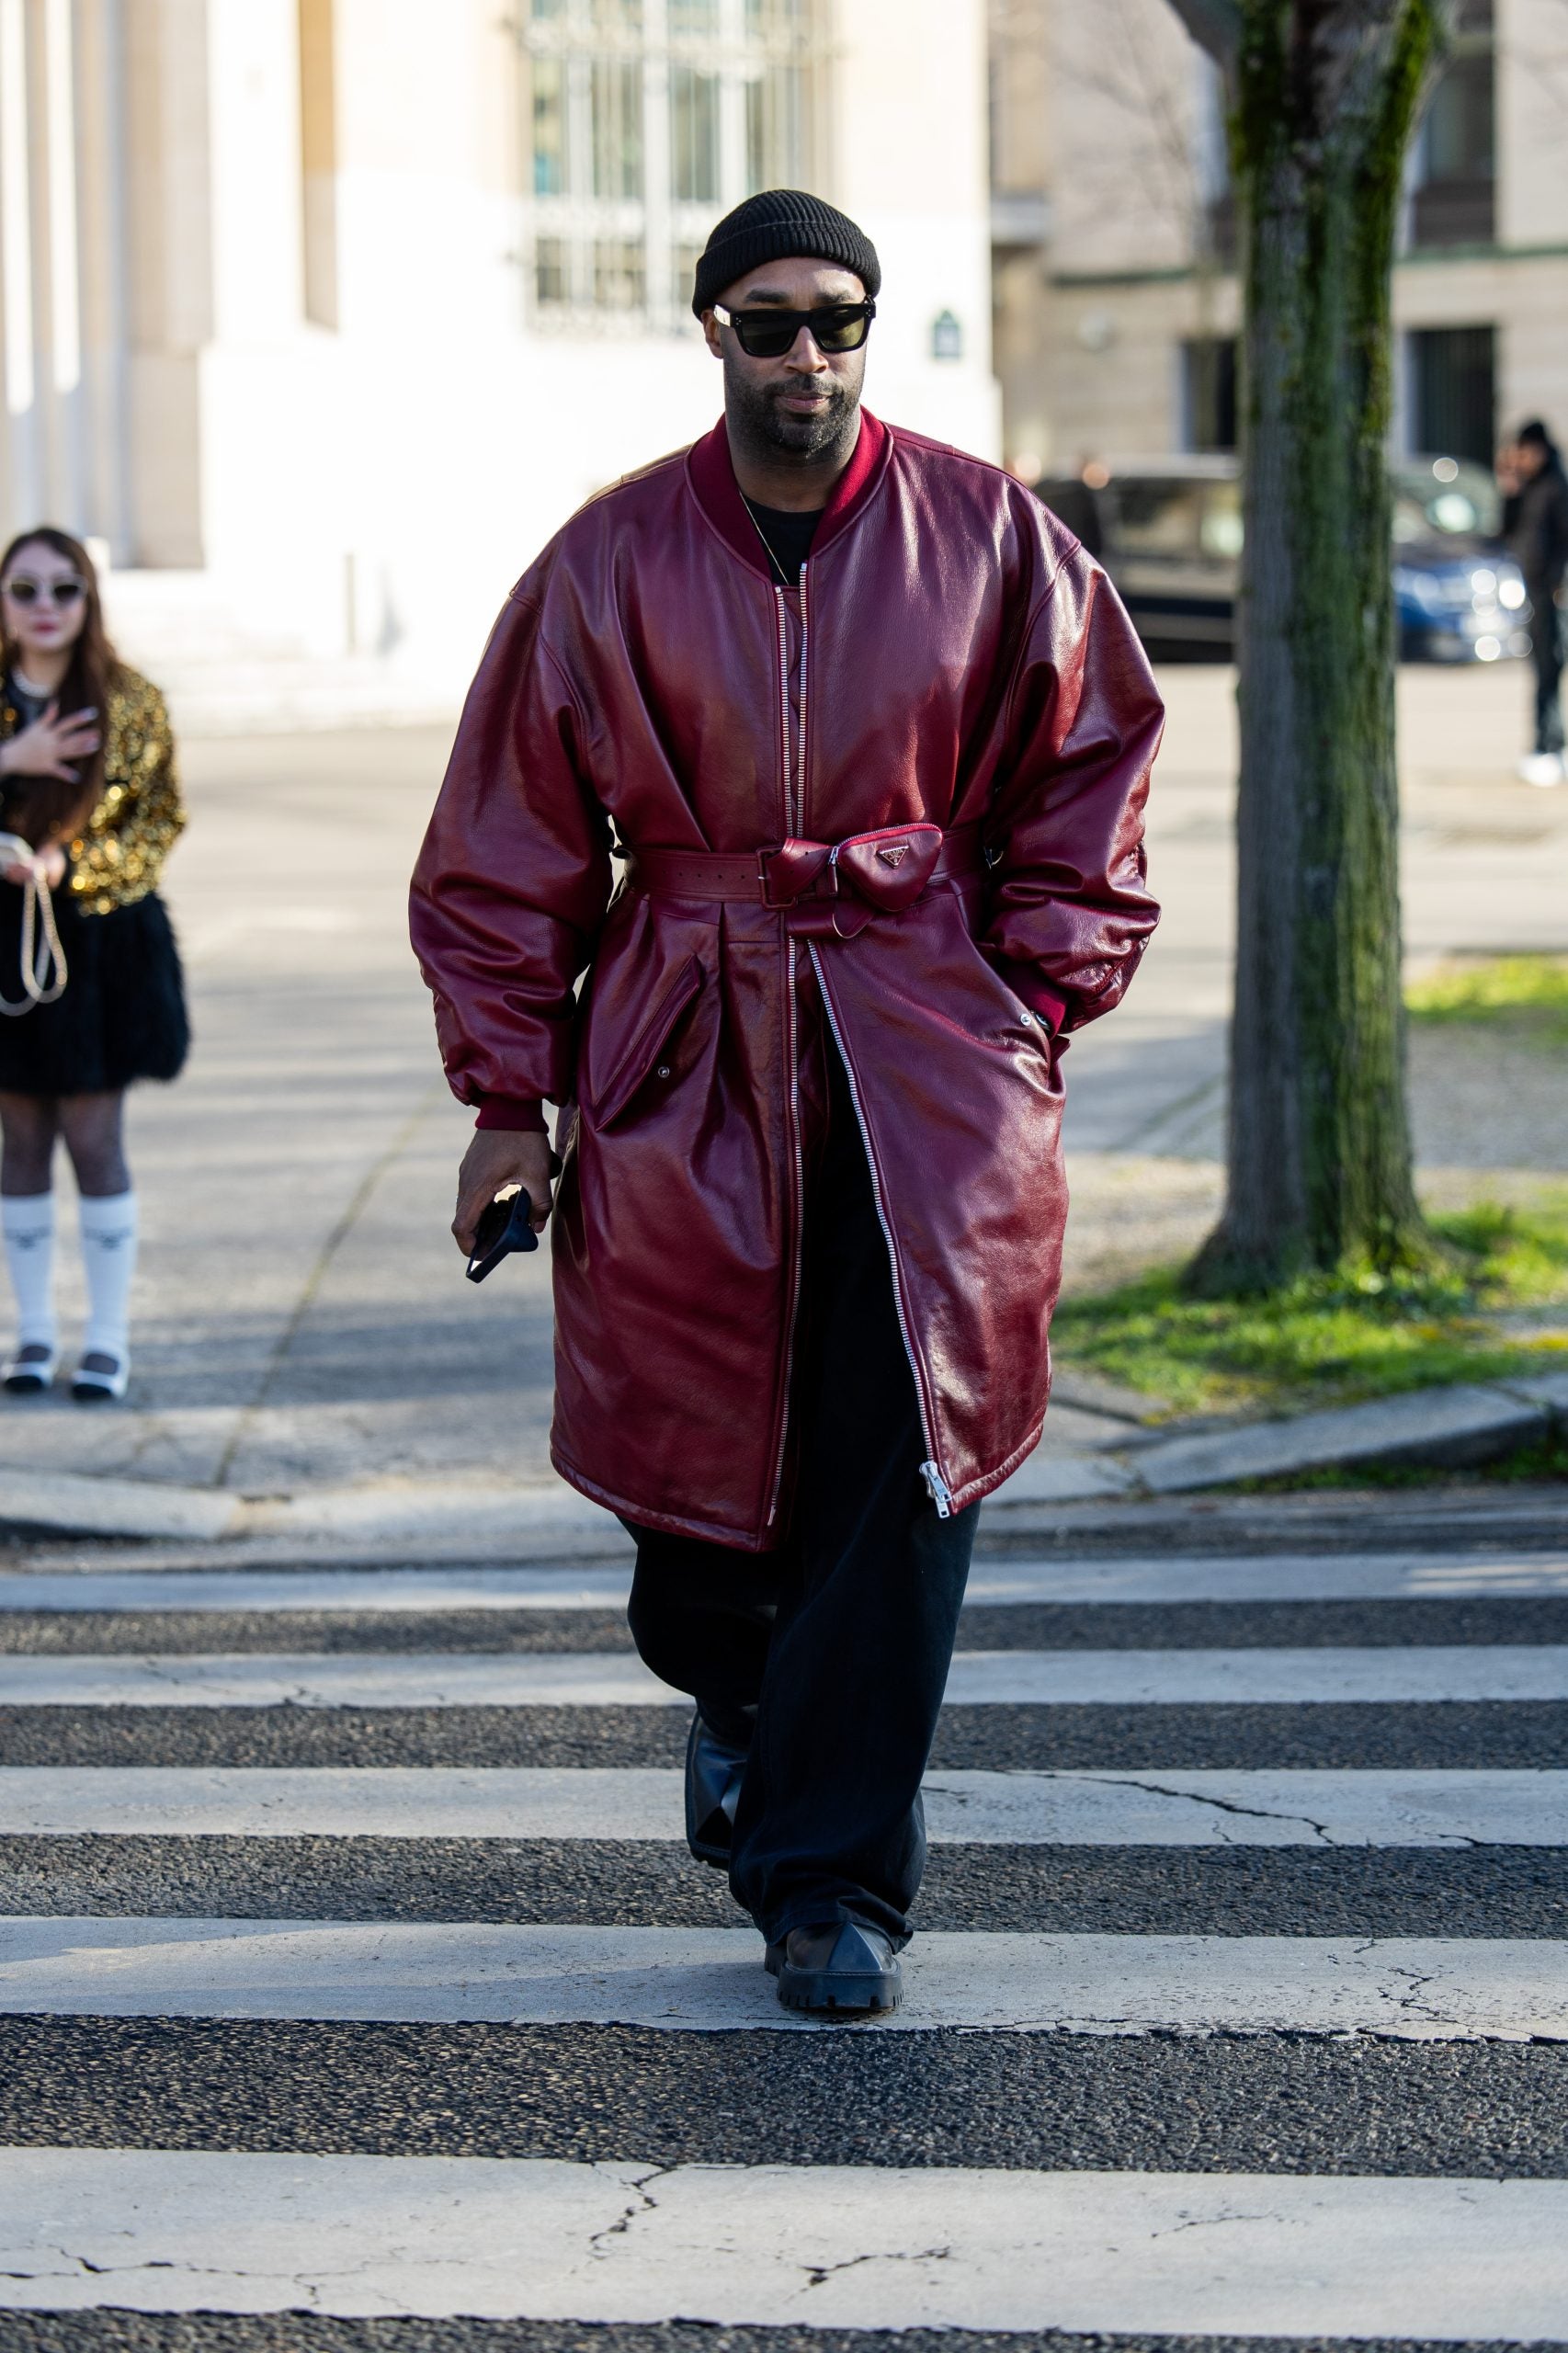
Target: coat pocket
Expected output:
[637,1059]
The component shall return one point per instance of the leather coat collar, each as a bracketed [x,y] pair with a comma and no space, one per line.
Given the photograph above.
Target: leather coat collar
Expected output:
[712,479]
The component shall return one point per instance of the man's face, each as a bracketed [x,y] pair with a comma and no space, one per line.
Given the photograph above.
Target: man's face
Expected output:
[803,402]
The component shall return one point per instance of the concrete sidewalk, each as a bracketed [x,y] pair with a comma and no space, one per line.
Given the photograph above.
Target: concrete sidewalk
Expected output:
[1123,1462]
[305,1344]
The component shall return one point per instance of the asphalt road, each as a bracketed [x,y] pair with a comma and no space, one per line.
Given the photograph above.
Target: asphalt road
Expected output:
[1283,2083]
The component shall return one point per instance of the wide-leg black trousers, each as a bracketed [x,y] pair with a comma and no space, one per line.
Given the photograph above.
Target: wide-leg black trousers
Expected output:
[828,1658]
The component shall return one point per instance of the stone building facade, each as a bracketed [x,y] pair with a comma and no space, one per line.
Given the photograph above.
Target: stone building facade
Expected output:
[1115,297]
[319,316]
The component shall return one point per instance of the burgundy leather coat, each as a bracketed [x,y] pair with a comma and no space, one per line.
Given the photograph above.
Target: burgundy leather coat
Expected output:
[952,664]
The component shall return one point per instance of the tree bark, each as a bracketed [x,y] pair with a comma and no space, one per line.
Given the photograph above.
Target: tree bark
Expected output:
[1324,99]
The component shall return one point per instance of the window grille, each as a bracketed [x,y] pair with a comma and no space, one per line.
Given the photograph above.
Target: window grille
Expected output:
[645,120]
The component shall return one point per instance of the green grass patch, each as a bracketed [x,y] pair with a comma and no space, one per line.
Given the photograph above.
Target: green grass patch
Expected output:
[1526,996]
[1330,1340]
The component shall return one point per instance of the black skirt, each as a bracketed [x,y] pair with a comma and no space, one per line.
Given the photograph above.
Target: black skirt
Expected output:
[122,1016]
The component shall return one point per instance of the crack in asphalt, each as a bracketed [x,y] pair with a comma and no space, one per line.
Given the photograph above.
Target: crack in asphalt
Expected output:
[643,2204]
[1221,1805]
[818,2274]
[1209,2223]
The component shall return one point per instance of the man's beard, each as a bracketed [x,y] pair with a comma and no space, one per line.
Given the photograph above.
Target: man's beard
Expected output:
[771,430]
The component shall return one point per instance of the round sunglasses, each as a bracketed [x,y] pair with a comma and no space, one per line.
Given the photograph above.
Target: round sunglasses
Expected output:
[60,592]
[768,335]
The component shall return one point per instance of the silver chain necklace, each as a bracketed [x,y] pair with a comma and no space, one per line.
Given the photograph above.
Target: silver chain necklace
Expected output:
[769,550]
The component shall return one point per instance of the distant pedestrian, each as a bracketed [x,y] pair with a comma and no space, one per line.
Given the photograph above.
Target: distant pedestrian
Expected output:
[91,979]
[1535,525]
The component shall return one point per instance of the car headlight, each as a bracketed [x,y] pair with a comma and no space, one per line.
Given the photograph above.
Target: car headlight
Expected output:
[1511,591]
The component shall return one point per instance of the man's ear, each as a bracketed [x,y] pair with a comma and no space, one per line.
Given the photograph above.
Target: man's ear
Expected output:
[711,331]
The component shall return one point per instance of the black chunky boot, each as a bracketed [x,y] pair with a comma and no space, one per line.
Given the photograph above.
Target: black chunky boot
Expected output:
[836,1965]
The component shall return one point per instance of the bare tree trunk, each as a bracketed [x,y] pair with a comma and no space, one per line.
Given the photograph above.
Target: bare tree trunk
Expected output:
[1324,99]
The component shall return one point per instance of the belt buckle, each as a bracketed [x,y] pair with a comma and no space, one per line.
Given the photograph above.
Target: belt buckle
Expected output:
[824,885]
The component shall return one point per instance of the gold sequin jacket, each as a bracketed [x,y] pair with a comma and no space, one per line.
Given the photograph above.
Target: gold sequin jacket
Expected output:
[118,855]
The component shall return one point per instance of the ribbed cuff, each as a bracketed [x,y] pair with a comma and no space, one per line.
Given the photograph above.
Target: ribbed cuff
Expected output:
[514,1113]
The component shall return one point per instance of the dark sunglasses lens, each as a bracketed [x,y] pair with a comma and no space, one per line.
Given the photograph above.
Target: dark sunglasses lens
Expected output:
[28,592]
[767,338]
[840,330]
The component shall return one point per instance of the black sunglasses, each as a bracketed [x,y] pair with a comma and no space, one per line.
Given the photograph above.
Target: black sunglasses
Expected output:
[768,335]
[28,592]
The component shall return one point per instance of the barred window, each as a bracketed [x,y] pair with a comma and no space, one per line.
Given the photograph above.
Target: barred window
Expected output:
[616,91]
[617,273]
[551,282]
[549,126]
[694,135]
[645,120]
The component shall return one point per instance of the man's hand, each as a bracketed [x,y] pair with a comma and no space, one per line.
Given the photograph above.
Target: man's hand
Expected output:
[52,746]
[495,1159]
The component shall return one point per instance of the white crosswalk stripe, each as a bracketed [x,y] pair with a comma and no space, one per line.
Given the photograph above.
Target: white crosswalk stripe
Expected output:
[708,1979]
[987,1678]
[829,2246]
[593,1585]
[638,1803]
[286,2168]
[347,1592]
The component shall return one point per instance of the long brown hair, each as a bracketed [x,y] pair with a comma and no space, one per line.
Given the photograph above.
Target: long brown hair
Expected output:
[44,808]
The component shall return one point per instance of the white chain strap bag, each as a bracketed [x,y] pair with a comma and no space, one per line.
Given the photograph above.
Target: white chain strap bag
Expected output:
[40,940]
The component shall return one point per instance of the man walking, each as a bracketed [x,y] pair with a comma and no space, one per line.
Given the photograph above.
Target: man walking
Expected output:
[873,737]
[1535,525]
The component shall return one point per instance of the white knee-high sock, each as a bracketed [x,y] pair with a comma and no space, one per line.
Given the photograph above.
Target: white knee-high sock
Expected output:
[28,1222]
[108,1258]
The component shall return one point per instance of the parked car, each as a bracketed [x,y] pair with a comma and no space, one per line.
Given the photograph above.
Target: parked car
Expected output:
[1168,530]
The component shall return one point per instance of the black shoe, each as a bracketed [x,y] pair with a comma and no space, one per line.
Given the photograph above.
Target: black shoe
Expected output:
[31,1371]
[836,1965]
[714,1769]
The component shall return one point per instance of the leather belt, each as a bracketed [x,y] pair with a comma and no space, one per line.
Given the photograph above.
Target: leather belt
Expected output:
[820,887]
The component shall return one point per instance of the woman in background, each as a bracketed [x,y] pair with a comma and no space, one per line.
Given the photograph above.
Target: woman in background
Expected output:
[87,779]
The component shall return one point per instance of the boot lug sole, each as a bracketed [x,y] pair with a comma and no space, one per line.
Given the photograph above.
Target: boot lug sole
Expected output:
[822,1990]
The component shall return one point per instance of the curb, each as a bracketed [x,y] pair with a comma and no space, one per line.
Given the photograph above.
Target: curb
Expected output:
[142,1511]
[1452,1429]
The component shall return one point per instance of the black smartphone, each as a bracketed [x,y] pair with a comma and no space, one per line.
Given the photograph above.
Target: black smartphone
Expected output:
[503,1228]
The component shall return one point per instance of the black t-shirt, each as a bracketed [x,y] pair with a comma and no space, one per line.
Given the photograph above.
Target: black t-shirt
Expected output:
[787,536]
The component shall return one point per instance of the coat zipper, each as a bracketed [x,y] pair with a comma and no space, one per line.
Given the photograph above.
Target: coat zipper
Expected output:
[799,825]
[794,802]
[930,1469]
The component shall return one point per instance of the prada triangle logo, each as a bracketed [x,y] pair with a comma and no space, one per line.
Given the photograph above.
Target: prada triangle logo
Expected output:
[894,854]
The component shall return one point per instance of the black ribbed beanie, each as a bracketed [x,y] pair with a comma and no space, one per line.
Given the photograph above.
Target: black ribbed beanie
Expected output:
[771,227]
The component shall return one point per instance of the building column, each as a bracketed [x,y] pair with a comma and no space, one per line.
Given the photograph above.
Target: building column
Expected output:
[925,203]
[103,262]
[21,455]
[169,282]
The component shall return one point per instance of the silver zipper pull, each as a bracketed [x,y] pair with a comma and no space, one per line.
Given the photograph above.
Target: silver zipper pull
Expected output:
[939,1490]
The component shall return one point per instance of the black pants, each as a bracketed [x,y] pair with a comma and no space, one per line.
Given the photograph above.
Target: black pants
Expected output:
[1546,654]
[829,1657]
